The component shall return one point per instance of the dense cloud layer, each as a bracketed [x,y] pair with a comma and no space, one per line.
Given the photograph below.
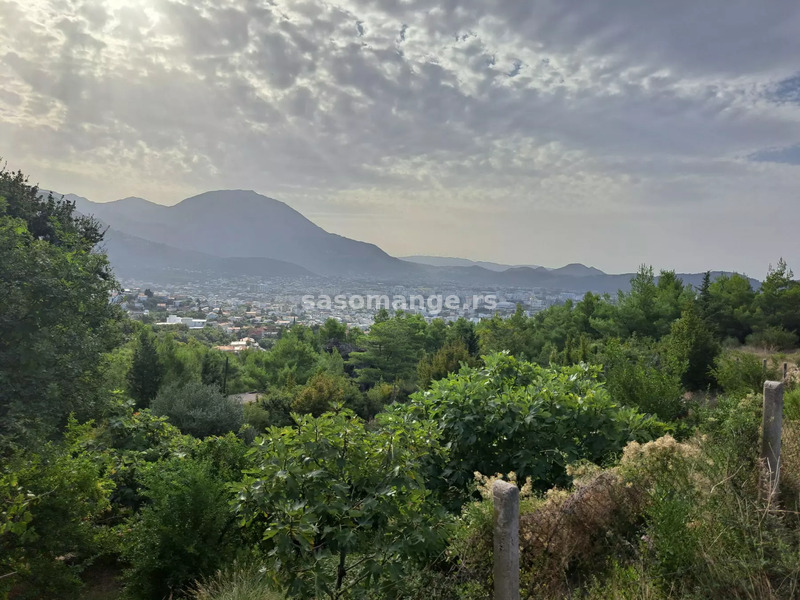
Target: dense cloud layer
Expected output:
[536,132]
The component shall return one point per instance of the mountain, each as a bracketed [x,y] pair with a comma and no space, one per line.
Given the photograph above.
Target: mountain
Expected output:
[449,261]
[237,232]
[239,223]
[577,270]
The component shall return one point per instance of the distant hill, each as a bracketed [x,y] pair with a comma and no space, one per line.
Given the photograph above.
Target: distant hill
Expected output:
[448,261]
[577,270]
[239,223]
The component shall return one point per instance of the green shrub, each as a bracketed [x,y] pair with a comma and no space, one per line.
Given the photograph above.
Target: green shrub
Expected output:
[238,582]
[51,504]
[773,339]
[186,531]
[739,373]
[257,416]
[198,410]
[513,415]
[277,404]
[791,404]
[637,375]
[339,509]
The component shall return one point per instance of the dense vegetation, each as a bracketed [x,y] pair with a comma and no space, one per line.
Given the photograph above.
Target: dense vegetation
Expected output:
[361,471]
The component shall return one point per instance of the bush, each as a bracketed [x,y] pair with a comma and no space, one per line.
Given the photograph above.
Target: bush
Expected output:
[257,416]
[51,503]
[339,509]
[739,373]
[248,582]
[274,410]
[773,339]
[637,375]
[198,410]
[517,416]
[185,532]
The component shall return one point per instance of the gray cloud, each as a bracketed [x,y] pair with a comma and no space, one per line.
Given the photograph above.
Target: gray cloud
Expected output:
[353,108]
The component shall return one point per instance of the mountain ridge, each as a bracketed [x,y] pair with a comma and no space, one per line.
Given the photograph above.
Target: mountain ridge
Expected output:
[243,232]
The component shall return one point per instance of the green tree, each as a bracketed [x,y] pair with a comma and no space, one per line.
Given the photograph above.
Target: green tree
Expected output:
[53,500]
[55,317]
[144,377]
[638,374]
[730,306]
[778,302]
[464,331]
[293,359]
[212,370]
[692,343]
[392,350]
[332,331]
[448,359]
[324,391]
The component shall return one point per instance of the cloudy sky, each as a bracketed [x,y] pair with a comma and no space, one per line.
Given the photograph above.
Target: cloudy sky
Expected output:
[610,133]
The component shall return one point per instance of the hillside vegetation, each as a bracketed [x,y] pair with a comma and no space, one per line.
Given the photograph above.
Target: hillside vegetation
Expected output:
[631,425]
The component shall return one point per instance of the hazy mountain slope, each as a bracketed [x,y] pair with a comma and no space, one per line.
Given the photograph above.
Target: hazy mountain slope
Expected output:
[136,258]
[238,223]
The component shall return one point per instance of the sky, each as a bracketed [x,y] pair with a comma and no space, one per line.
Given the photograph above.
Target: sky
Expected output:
[611,133]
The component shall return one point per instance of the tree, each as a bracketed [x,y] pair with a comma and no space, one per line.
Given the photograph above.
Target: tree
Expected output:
[332,331]
[324,391]
[55,318]
[778,303]
[638,374]
[212,370]
[464,331]
[53,500]
[198,410]
[692,343]
[730,306]
[393,349]
[144,377]
[448,359]
[293,359]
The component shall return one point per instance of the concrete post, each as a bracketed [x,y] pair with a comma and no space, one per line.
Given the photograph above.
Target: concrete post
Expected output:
[506,541]
[771,437]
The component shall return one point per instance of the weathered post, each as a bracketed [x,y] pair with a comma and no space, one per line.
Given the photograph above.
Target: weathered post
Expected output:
[771,437]
[785,371]
[506,541]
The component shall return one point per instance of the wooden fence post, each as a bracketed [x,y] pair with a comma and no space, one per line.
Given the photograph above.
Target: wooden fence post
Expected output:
[771,437]
[506,540]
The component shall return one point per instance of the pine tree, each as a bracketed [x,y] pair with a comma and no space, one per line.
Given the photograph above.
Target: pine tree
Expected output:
[212,371]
